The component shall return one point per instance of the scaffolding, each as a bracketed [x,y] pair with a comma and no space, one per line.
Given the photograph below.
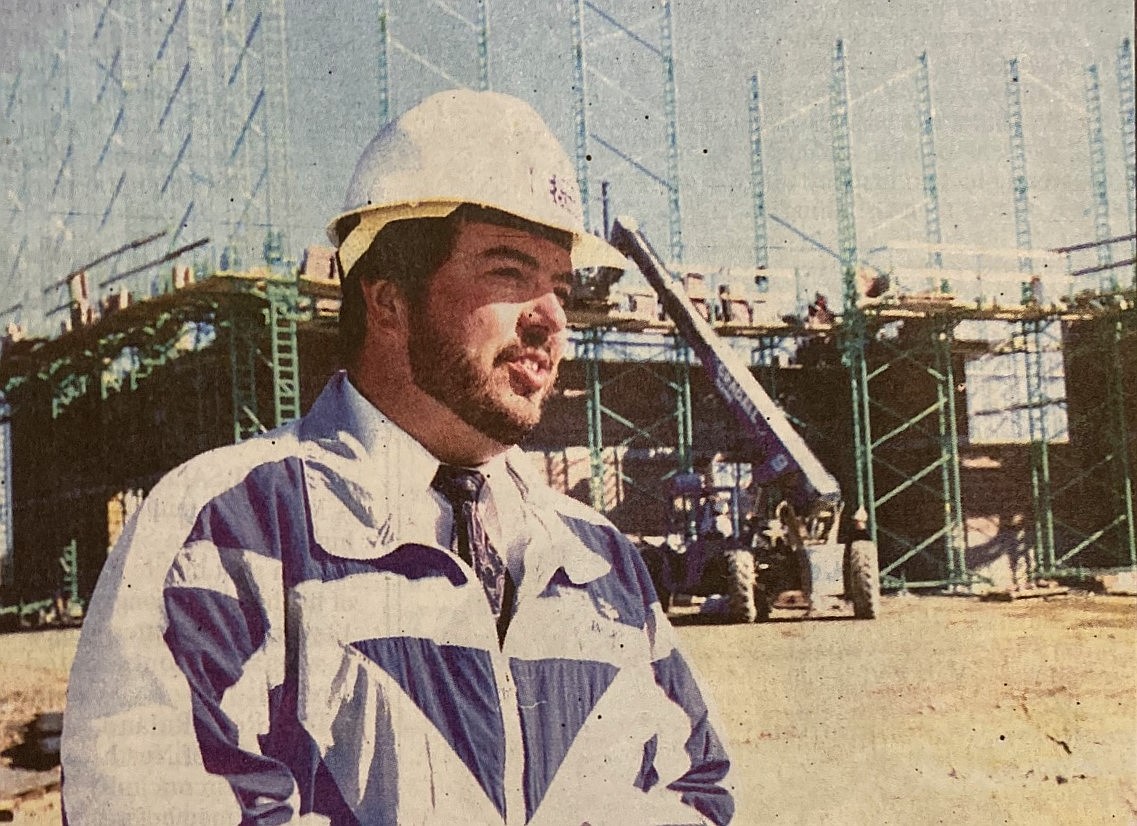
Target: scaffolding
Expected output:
[1099,185]
[933,234]
[626,89]
[5,491]
[1127,109]
[471,23]
[758,178]
[667,362]
[633,452]
[168,124]
[1019,182]
[1081,461]
[910,454]
[906,445]
[124,395]
[112,405]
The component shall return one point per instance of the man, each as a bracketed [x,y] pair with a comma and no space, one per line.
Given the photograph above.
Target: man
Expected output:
[375,615]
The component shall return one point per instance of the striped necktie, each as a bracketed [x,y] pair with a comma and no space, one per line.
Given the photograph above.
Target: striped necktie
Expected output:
[461,487]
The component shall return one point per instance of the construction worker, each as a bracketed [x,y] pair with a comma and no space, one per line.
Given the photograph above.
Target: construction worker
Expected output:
[726,303]
[376,615]
[819,314]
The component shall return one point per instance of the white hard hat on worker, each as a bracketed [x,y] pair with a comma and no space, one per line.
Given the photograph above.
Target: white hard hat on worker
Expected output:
[464,147]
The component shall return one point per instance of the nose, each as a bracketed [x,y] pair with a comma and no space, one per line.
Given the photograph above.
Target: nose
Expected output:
[545,313]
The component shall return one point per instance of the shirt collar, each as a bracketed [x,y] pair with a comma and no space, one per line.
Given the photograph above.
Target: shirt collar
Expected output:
[415,464]
[379,436]
[400,468]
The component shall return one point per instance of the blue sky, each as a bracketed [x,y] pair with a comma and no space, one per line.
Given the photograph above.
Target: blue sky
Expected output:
[790,45]
[333,88]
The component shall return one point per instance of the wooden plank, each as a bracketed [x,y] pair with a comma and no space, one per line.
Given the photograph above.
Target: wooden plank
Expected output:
[1123,583]
[1011,595]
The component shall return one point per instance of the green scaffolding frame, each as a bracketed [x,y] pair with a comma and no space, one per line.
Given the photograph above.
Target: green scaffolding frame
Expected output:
[668,364]
[910,455]
[1061,537]
[885,436]
[108,376]
[256,323]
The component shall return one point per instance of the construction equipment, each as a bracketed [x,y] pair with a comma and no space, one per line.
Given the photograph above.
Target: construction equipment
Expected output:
[784,553]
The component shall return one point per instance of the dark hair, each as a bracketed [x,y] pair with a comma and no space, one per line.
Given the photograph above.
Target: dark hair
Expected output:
[404,252]
[407,253]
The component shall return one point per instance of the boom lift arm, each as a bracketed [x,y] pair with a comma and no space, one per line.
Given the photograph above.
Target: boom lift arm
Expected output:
[812,507]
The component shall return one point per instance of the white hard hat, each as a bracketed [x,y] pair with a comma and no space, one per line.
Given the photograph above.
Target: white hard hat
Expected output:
[465,147]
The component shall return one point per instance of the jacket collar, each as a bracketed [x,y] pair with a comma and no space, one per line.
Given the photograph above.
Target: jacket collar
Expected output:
[564,549]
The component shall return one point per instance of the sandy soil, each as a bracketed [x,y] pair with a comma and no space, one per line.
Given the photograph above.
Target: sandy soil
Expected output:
[33,676]
[33,679]
[944,710]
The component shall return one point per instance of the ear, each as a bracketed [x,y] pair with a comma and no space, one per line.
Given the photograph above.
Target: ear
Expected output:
[386,306]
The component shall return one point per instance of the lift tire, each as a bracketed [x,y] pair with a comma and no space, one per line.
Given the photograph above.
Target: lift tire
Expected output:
[762,604]
[656,561]
[741,605]
[864,579]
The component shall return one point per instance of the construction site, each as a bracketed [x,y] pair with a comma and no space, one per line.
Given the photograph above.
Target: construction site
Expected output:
[976,405]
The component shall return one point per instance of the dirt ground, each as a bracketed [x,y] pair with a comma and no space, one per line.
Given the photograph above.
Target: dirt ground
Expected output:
[33,679]
[944,710]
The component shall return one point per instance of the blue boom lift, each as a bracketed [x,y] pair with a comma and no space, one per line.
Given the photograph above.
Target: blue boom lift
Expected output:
[786,553]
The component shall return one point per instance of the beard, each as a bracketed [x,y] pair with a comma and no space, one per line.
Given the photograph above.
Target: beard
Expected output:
[442,369]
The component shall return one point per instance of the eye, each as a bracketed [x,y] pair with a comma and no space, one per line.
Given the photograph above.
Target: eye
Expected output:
[563,292]
[508,273]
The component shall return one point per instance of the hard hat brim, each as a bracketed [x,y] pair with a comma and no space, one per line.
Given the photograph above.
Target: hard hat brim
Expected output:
[588,250]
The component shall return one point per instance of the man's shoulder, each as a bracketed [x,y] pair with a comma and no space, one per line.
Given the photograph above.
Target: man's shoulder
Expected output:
[206,475]
[581,518]
[535,483]
[573,508]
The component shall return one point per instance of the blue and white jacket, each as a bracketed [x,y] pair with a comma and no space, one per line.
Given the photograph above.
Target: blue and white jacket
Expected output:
[279,638]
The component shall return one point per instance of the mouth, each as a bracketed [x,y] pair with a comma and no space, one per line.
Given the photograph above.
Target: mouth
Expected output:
[530,371]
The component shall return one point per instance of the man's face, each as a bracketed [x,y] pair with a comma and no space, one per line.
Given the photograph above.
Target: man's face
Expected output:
[488,336]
